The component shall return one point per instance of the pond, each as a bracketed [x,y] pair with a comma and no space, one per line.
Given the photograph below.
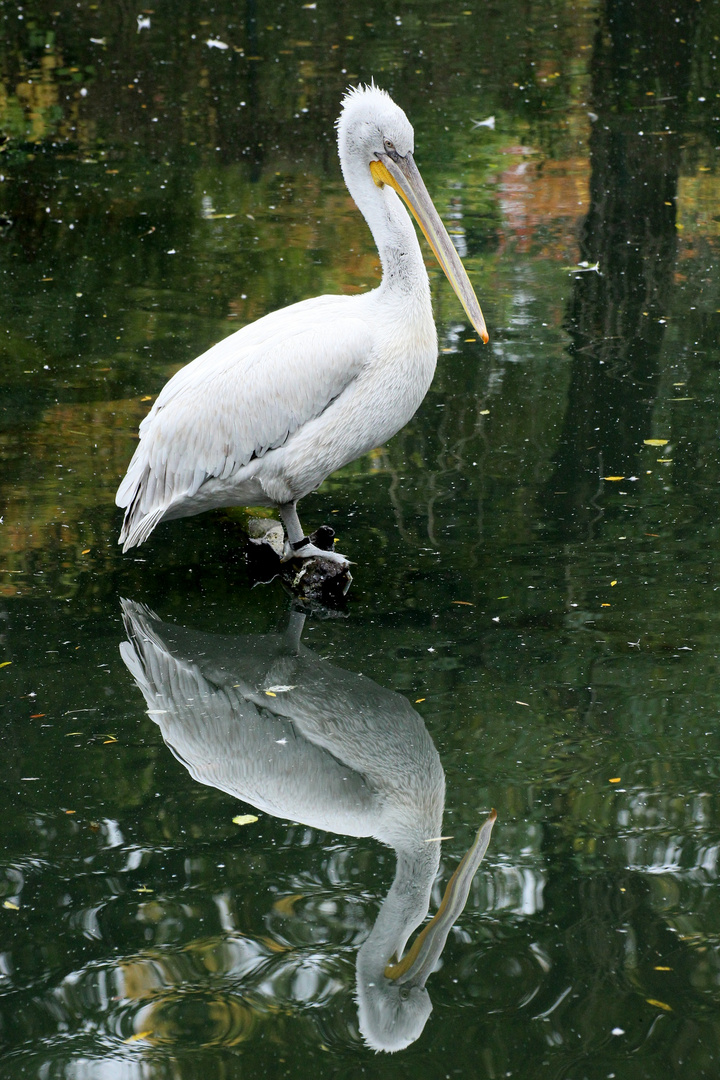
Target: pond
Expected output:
[225,812]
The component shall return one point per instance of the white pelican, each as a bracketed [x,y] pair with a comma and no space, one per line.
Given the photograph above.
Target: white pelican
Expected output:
[265,720]
[261,418]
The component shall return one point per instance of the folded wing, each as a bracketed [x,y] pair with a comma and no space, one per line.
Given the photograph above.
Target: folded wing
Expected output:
[245,396]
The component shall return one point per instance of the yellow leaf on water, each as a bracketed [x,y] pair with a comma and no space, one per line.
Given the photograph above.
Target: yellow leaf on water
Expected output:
[6,663]
[613,478]
[659,968]
[140,1035]
[244,819]
[659,1004]
[85,552]
[271,693]
[656,442]
[9,904]
[418,700]
[614,780]
[613,582]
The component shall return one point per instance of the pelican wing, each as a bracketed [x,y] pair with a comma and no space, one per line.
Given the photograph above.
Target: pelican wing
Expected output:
[243,397]
[227,741]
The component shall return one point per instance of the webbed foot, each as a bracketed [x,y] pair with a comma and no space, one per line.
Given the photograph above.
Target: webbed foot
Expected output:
[308,550]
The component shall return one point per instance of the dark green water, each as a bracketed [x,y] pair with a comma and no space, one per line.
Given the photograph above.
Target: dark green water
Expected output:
[543,637]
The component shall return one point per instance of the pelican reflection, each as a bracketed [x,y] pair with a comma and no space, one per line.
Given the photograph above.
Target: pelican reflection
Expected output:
[267,721]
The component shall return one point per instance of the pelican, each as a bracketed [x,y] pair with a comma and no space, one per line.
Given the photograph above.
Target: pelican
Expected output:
[265,720]
[261,418]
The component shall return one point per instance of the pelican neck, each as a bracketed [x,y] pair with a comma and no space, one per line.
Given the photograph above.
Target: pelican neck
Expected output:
[403,267]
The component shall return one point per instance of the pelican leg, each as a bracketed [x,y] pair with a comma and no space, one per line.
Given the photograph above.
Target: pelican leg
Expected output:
[299,546]
[293,632]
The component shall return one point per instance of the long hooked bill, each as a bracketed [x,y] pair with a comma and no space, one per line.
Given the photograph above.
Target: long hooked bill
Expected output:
[402,175]
[420,960]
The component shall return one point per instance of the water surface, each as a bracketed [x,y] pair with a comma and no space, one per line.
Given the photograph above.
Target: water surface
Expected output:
[536,593]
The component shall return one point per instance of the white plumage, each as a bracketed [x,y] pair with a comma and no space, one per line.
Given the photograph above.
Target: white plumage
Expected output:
[264,416]
[265,720]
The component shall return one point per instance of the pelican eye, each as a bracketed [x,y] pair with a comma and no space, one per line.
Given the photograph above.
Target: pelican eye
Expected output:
[390,149]
[404,993]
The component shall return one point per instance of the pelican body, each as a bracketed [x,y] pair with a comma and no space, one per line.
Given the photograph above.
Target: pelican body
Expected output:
[264,719]
[264,416]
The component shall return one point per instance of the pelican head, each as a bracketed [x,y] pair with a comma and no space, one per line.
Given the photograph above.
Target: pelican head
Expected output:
[376,141]
[369,121]
[391,1017]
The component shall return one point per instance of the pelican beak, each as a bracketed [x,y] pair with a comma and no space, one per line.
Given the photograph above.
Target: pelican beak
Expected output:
[401,173]
[420,960]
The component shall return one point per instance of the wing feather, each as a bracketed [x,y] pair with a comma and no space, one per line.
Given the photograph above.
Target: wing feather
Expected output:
[243,397]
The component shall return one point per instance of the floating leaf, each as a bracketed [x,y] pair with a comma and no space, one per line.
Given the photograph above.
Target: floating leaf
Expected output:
[6,663]
[140,1035]
[465,603]
[656,442]
[659,1004]
[613,477]
[659,968]
[10,905]
[418,700]
[614,780]
[244,819]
